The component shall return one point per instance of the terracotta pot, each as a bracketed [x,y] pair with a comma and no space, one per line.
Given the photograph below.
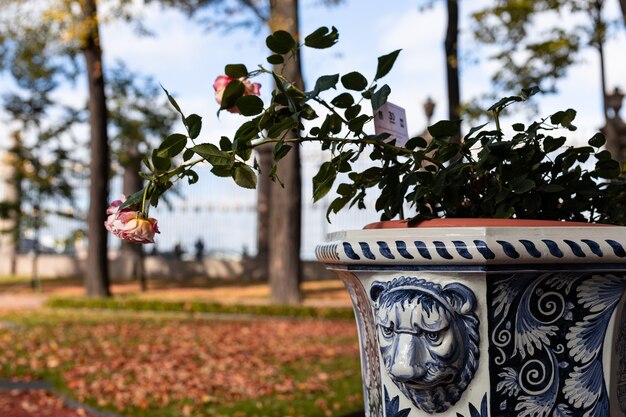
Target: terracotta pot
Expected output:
[481,317]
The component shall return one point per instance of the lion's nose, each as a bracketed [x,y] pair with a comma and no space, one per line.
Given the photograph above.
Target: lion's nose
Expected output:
[405,364]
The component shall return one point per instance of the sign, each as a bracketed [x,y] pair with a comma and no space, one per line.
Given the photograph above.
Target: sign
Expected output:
[390,118]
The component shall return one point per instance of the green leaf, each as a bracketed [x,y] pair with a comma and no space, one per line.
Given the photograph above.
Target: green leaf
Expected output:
[568,118]
[233,91]
[325,82]
[356,124]
[172,146]
[556,118]
[134,200]
[444,128]
[502,195]
[564,118]
[192,176]
[280,84]
[604,155]
[474,130]
[353,112]
[160,164]
[416,142]
[354,81]
[307,113]
[244,176]
[213,155]
[367,94]
[285,124]
[385,63]
[343,100]
[281,150]
[173,102]
[518,127]
[522,185]
[193,123]
[608,168]
[275,59]
[380,97]
[502,103]
[236,70]
[446,151]
[188,154]
[504,212]
[225,144]
[332,124]
[322,38]
[551,144]
[597,141]
[500,149]
[222,171]
[552,188]
[247,131]
[529,92]
[280,42]
[336,206]
[323,180]
[250,105]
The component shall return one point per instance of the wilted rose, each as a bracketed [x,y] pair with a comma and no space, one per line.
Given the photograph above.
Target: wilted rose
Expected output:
[129,224]
[140,230]
[223,80]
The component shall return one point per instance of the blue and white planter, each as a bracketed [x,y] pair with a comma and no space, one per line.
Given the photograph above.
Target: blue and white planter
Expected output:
[524,321]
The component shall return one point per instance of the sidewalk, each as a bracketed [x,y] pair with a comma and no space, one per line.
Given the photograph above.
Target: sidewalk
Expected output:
[328,293]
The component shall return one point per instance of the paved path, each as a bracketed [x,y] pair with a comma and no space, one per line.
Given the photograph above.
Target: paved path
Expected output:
[21,301]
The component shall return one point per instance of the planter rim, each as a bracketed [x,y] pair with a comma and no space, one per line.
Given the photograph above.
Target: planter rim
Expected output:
[479,222]
[477,242]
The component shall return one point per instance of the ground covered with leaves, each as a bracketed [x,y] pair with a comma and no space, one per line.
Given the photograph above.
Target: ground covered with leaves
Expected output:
[36,403]
[141,365]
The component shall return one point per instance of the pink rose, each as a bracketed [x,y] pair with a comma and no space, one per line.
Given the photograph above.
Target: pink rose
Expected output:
[223,80]
[140,230]
[129,224]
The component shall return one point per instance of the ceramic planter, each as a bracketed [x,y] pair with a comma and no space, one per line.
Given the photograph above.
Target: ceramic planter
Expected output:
[519,318]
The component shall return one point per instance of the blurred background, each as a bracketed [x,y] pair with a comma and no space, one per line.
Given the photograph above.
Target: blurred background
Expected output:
[184,45]
[81,104]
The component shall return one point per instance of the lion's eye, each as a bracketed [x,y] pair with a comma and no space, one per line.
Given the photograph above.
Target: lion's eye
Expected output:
[387,330]
[433,336]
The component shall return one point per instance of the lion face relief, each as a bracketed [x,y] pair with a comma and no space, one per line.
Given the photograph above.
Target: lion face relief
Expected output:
[428,336]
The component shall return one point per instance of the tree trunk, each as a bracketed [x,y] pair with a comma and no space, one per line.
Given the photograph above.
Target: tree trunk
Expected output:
[452,62]
[131,183]
[285,203]
[622,4]
[97,274]
[263,213]
[10,228]
[600,29]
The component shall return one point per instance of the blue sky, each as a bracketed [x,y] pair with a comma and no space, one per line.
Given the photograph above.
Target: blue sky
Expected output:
[185,59]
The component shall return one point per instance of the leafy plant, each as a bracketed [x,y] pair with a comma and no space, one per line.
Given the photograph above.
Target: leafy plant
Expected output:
[529,175]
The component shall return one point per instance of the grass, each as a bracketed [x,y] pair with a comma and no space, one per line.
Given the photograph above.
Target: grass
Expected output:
[139,364]
[202,307]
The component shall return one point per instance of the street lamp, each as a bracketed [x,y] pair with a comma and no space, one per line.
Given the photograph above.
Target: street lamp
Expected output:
[429,109]
[614,101]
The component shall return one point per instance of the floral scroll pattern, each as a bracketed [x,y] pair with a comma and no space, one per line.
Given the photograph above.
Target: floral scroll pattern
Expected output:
[547,333]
